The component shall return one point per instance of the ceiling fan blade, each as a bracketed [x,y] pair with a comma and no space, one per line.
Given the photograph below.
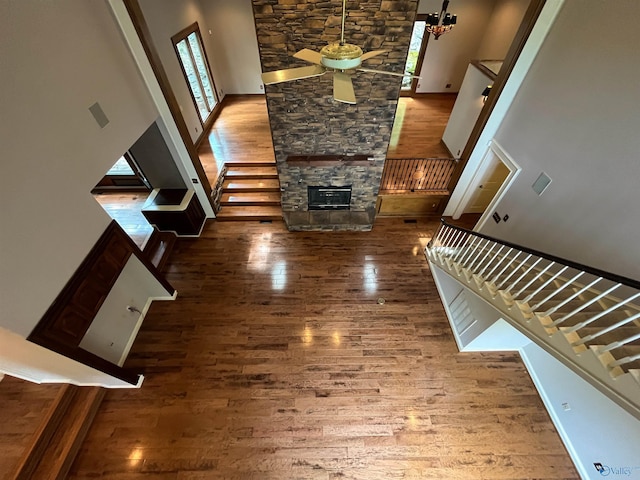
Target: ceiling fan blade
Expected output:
[291,74]
[310,56]
[375,53]
[343,88]
[383,72]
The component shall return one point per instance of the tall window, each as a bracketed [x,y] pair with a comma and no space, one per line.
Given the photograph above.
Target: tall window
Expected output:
[416,54]
[193,60]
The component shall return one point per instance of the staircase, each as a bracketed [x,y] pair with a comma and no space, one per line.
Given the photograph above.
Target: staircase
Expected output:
[587,318]
[59,437]
[250,191]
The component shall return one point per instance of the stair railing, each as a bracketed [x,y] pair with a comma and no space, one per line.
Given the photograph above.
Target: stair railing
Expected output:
[544,286]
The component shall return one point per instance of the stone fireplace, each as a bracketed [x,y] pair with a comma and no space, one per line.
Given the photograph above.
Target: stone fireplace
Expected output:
[318,141]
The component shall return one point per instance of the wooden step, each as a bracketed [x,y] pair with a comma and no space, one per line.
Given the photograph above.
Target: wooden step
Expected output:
[250,164]
[57,441]
[251,198]
[158,247]
[246,213]
[242,172]
[250,185]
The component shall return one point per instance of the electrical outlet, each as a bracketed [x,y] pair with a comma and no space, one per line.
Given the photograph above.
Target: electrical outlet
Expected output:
[505,218]
[496,217]
[261,87]
[448,85]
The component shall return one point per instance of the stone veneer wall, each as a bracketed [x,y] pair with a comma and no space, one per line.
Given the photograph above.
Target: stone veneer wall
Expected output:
[305,120]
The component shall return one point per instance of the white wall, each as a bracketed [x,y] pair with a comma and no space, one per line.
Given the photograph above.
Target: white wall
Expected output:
[234,45]
[593,428]
[447,58]
[26,360]
[57,60]
[576,117]
[165,18]
[502,27]
[466,110]
[114,328]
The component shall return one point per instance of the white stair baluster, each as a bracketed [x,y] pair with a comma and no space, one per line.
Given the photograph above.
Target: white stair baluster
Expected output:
[515,270]
[619,343]
[569,299]
[547,282]
[585,305]
[504,257]
[608,329]
[464,246]
[478,256]
[481,272]
[537,277]
[499,274]
[526,272]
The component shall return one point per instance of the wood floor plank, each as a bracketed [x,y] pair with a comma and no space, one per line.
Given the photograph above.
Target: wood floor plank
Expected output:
[277,362]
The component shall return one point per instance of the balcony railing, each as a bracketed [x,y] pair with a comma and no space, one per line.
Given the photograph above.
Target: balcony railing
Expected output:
[588,317]
[428,175]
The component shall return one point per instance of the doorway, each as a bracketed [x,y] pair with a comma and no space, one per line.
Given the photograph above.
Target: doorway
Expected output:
[489,184]
[494,176]
[122,193]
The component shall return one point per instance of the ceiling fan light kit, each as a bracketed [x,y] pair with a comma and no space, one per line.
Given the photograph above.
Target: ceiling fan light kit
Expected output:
[343,59]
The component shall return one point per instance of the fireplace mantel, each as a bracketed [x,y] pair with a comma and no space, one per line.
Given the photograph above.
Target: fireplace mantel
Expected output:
[330,160]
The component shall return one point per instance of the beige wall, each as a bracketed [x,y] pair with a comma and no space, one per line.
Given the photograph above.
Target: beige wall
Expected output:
[234,45]
[165,18]
[502,27]
[58,58]
[447,58]
[576,118]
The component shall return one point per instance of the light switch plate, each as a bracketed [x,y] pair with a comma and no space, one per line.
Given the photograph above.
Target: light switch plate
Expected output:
[541,183]
[98,114]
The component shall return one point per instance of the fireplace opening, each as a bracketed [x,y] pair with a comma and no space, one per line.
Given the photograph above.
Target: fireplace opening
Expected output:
[329,198]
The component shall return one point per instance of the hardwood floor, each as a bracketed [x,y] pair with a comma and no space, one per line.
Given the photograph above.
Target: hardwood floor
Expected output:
[125,208]
[278,361]
[22,406]
[419,125]
[240,134]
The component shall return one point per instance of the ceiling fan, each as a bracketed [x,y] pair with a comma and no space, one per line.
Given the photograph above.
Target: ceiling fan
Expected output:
[341,58]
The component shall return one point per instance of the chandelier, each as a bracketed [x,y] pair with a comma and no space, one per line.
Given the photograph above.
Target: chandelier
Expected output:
[437,24]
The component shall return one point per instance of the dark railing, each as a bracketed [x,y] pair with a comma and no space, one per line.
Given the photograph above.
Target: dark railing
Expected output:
[417,174]
[630,282]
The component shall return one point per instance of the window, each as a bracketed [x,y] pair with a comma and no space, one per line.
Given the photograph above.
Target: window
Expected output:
[193,60]
[416,53]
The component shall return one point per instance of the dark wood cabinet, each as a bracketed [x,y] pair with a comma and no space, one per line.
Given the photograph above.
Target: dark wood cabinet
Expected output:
[174,210]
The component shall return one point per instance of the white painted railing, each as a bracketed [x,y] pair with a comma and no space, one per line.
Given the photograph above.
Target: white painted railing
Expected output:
[586,317]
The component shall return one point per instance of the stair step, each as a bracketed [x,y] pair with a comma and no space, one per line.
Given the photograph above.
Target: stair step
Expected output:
[251,198]
[618,334]
[249,164]
[570,307]
[59,438]
[251,172]
[247,213]
[250,185]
